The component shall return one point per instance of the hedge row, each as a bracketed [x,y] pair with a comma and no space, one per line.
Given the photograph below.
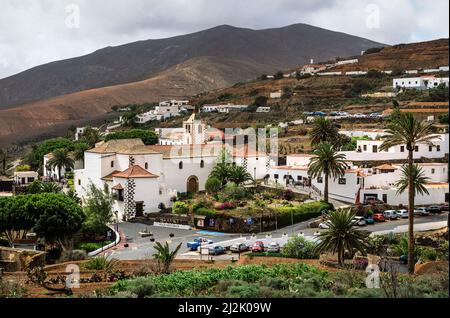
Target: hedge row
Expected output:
[301,212]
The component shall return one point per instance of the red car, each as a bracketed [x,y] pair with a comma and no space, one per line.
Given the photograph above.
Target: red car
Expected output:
[378,217]
[258,247]
[444,207]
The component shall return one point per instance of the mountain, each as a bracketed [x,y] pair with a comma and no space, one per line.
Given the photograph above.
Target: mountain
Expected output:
[270,49]
[52,116]
[46,100]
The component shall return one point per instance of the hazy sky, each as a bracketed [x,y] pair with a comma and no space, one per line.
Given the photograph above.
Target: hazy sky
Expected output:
[33,32]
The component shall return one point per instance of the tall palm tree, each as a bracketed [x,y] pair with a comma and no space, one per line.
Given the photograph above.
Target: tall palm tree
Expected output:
[341,235]
[327,162]
[409,131]
[239,175]
[165,256]
[324,130]
[418,177]
[61,159]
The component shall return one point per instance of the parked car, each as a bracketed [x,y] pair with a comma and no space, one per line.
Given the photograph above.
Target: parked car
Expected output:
[444,207]
[359,115]
[421,211]
[196,243]
[238,247]
[391,214]
[434,209]
[273,248]
[320,114]
[379,217]
[360,221]
[372,201]
[403,214]
[369,220]
[258,247]
[343,114]
[324,225]
[216,250]
[375,115]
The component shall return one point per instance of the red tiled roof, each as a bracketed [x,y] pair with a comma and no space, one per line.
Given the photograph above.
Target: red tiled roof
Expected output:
[109,177]
[117,187]
[134,172]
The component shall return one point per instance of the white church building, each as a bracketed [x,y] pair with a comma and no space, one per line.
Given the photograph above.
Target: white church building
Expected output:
[143,178]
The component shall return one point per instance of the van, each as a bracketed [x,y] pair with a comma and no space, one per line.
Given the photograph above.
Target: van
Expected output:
[391,214]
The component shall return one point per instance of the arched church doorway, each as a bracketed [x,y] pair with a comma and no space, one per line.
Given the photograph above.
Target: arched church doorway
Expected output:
[192,184]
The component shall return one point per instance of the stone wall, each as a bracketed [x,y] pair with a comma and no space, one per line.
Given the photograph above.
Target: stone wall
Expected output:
[16,260]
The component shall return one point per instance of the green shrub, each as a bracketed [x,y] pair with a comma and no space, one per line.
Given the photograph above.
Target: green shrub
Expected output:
[180,208]
[213,185]
[147,137]
[100,263]
[92,246]
[299,247]
[23,168]
[205,212]
[428,254]
[301,212]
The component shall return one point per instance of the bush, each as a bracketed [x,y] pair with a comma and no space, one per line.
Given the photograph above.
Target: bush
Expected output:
[101,263]
[74,255]
[92,246]
[428,254]
[299,247]
[301,212]
[147,137]
[234,192]
[205,212]
[213,185]
[23,168]
[180,208]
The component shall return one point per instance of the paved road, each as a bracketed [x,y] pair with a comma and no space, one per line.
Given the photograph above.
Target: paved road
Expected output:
[142,248]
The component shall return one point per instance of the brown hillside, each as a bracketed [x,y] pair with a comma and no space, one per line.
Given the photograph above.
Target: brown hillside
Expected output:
[184,80]
[412,56]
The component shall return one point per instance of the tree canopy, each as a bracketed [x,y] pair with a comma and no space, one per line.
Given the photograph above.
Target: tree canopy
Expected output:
[148,137]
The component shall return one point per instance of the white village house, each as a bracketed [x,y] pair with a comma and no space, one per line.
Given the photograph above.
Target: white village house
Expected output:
[166,109]
[422,82]
[360,182]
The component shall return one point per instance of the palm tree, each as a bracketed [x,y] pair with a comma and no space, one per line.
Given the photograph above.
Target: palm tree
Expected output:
[50,187]
[328,162]
[324,130]
[80,149]
[61,159]
[419,180]
[409,131]
[222,170]
[341,235]
[239,175]
[165,256]
[91,136]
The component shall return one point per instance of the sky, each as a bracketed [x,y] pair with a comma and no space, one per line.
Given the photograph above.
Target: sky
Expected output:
[34,32]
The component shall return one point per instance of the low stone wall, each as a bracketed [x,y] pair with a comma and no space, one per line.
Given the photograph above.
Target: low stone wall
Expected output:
[16,260]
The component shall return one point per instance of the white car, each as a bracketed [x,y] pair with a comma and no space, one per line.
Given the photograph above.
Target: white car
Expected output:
[403,214]
[273,248]
[343,114]
[359,116]
[324,225]
[421,211]
[391,214]
[238,247]
[360,221]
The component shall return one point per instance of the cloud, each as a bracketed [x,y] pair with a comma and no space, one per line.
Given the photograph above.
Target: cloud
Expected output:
[40,31]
